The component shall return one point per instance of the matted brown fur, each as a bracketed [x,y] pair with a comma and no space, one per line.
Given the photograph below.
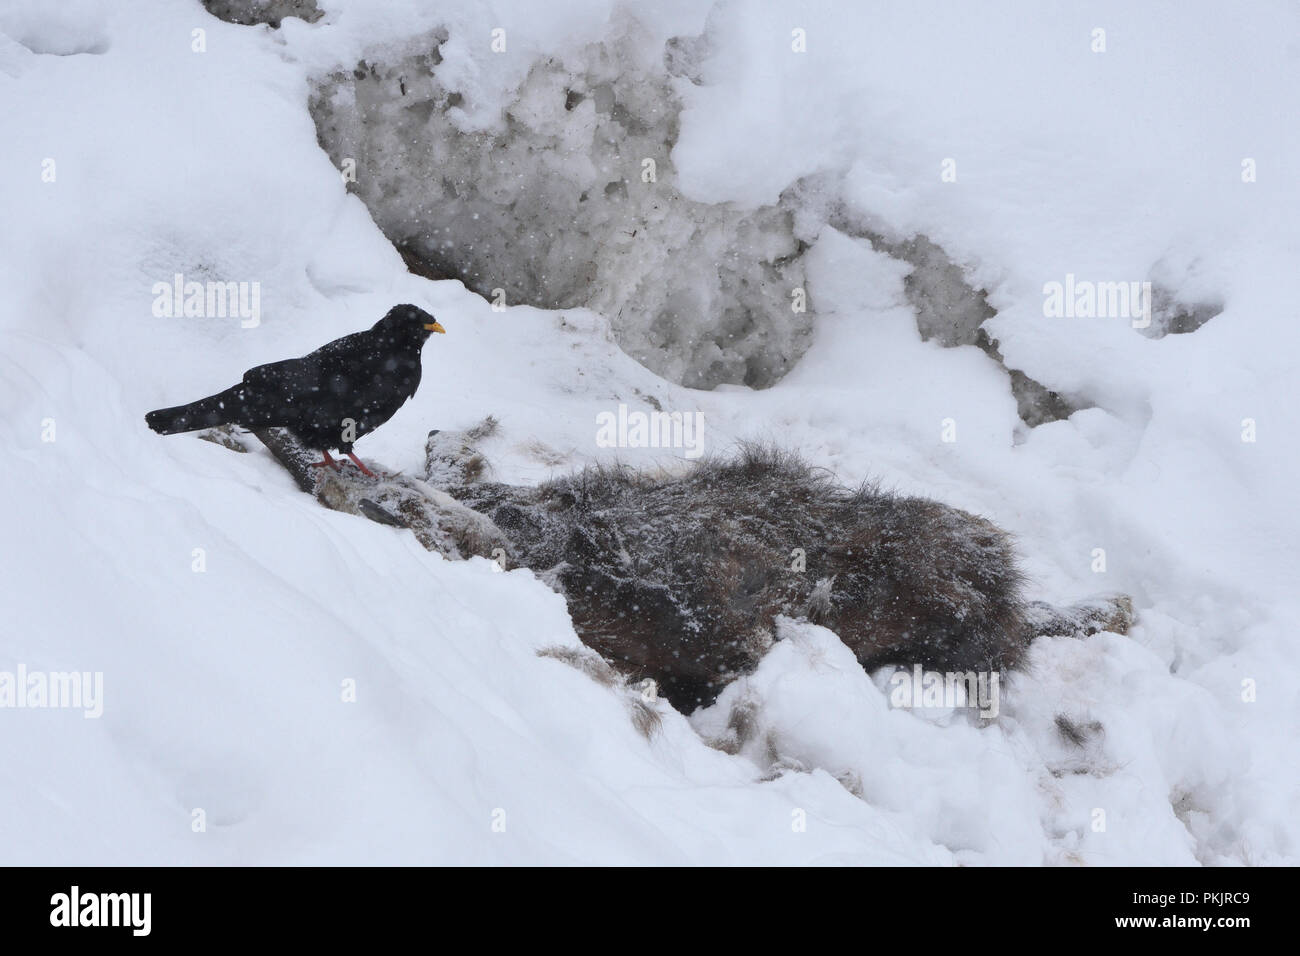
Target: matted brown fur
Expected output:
[678,576]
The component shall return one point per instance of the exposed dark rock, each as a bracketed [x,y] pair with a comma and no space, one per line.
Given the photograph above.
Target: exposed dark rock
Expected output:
[952,312]
[270,12]
[1172,316]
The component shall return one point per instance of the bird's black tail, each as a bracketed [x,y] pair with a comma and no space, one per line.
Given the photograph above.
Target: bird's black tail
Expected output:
[219,409]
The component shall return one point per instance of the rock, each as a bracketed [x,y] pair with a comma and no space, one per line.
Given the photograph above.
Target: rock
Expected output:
[270,12]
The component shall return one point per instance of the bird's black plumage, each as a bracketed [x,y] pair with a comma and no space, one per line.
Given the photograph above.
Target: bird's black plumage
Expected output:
[328,398]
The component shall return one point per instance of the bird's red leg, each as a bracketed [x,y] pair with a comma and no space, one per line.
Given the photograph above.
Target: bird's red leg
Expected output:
[327,461]
[361,466]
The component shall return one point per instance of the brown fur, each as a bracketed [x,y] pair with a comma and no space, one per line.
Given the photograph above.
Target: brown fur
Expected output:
[679,577]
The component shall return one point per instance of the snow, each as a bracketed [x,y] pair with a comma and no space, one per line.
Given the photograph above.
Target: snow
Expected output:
[562,195]
[224,689]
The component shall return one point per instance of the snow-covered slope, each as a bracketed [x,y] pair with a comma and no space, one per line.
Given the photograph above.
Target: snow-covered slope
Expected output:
[228,689]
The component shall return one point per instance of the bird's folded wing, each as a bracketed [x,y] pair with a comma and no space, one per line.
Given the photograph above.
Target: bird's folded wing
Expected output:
[290,374]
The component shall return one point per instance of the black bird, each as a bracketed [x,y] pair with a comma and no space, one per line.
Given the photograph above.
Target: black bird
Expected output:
[328,398]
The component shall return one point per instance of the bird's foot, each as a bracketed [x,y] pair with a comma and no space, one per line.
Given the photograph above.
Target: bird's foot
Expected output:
[326,462]
[364,469]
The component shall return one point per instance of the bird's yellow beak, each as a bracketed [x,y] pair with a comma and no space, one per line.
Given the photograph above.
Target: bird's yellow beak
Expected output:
[435,327]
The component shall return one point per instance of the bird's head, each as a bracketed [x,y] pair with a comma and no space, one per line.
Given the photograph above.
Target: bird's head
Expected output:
[409,322]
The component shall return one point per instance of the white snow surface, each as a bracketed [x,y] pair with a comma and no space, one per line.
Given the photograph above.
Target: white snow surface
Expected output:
[223,690]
